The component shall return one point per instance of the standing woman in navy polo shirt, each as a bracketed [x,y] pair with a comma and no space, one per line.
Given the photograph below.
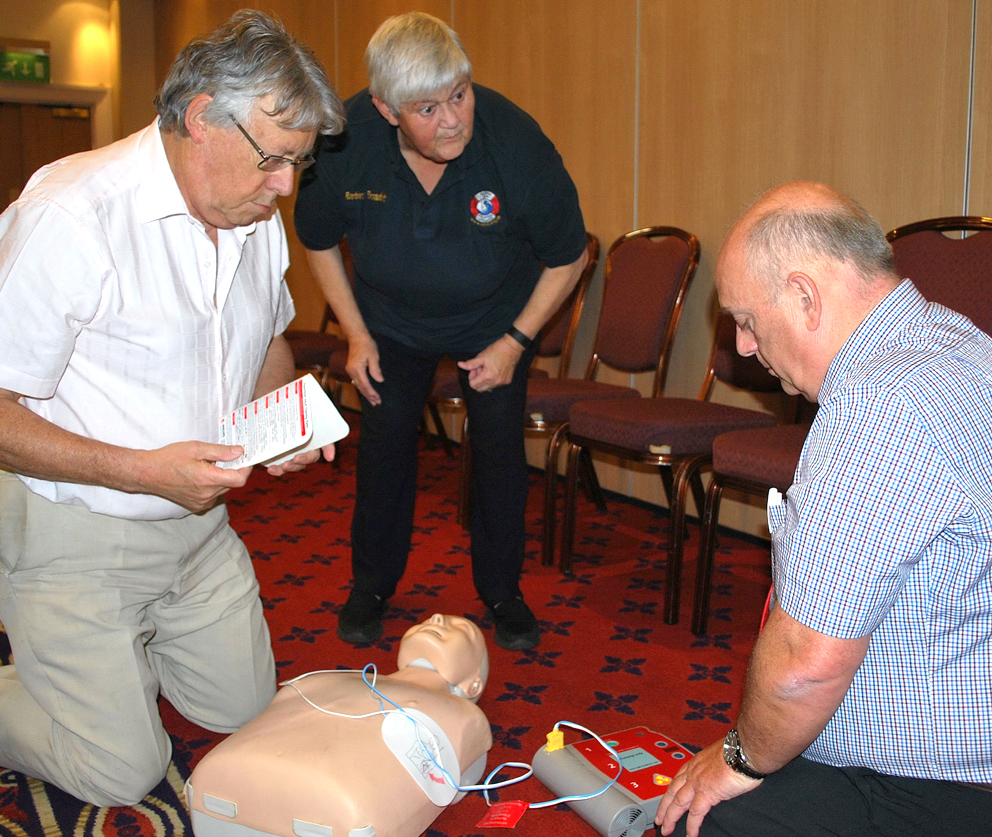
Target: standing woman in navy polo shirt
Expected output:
[466,235]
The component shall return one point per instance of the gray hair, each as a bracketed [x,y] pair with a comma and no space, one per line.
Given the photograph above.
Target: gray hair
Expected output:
[249,57]
[412,57]
[788,238]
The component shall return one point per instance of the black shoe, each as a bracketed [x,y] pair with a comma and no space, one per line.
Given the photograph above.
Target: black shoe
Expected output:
[516,625]
[360,619]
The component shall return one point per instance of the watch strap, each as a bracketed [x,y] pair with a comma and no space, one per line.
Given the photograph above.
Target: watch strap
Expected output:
[520,337]
[734,756]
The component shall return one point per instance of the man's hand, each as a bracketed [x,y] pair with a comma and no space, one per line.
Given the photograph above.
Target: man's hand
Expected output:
[300,461]
[363,365]
[186,473]
[494,365]
[704,781]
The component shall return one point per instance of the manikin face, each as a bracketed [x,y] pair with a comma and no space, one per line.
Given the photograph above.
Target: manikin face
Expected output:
[438,128]
[453,645]
[230,190]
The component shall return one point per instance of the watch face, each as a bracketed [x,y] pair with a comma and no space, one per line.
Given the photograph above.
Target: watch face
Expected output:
[731,748]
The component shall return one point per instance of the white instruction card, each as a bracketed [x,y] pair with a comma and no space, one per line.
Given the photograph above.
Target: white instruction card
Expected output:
[295,418]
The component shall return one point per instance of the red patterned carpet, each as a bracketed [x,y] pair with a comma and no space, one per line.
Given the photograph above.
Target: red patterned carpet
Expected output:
[606,661]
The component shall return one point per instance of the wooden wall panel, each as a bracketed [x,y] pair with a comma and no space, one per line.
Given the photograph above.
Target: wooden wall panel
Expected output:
[736,97]
[980,198]
[357,22]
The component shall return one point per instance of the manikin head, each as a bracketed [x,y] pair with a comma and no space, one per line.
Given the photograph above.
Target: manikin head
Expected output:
[454,647]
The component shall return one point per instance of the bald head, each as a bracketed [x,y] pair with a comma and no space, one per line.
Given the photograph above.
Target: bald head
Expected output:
[799,272]
[799,225]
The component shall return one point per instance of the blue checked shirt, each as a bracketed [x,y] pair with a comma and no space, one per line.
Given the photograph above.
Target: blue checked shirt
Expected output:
[887,531]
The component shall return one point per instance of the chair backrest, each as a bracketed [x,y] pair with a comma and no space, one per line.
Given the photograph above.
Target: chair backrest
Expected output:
[647,274]
[727,365]
[956,272]
[558,334]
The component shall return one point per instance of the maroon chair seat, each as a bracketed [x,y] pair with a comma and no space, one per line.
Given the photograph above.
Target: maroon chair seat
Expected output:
[673,426]
[336,365]
[550,399]
[746,460]
[768,455]
[675,434]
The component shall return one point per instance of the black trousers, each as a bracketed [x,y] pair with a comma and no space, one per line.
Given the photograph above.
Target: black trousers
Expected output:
[807,799]
[386,485]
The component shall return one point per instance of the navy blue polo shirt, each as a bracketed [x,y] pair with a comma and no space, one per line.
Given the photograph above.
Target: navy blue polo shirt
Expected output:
[449,271]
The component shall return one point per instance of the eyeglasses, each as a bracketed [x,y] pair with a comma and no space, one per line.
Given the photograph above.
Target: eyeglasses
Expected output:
[273,162]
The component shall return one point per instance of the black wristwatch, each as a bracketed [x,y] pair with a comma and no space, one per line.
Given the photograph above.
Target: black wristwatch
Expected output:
[735,758]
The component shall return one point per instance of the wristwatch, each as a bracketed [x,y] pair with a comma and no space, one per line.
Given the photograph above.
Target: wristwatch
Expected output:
[735,758]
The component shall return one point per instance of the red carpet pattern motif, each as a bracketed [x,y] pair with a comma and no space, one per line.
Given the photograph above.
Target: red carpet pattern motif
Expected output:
[606,661]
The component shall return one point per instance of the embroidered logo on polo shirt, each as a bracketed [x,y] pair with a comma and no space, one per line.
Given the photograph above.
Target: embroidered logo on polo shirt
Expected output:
[485,208]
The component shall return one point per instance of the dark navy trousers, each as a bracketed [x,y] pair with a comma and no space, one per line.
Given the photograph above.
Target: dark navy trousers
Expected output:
[807,799]
[382,523]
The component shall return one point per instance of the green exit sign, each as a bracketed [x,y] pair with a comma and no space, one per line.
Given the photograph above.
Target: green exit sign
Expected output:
[24,61]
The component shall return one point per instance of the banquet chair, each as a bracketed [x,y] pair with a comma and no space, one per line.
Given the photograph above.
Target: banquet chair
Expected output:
[672,433]
[956,272]
[556,340]
[647,274]
[751,461]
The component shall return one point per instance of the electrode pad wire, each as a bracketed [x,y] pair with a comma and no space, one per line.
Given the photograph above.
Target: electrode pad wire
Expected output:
[577,797]
[488,784]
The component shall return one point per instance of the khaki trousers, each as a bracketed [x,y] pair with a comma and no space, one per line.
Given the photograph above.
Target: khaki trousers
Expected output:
[103,614]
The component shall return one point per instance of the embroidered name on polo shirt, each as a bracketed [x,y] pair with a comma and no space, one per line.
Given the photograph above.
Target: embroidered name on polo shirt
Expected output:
[365,196]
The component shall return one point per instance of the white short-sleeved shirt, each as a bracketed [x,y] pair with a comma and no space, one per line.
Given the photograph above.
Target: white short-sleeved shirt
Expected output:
[119,318]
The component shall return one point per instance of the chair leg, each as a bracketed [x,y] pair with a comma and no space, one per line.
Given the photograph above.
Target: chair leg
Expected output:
[698,494]
[704,564]
[666,472]
[673,577]
[551,494]
[465,476]
[667,482]
[441,432]
[591,481]
[568,513]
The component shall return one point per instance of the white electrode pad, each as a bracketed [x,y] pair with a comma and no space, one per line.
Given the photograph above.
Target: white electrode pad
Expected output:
[411,735]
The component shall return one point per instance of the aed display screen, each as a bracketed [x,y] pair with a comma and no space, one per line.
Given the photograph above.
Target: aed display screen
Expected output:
[637,759]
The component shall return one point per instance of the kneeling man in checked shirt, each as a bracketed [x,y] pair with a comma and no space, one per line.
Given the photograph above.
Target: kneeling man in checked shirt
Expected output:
[866,708]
